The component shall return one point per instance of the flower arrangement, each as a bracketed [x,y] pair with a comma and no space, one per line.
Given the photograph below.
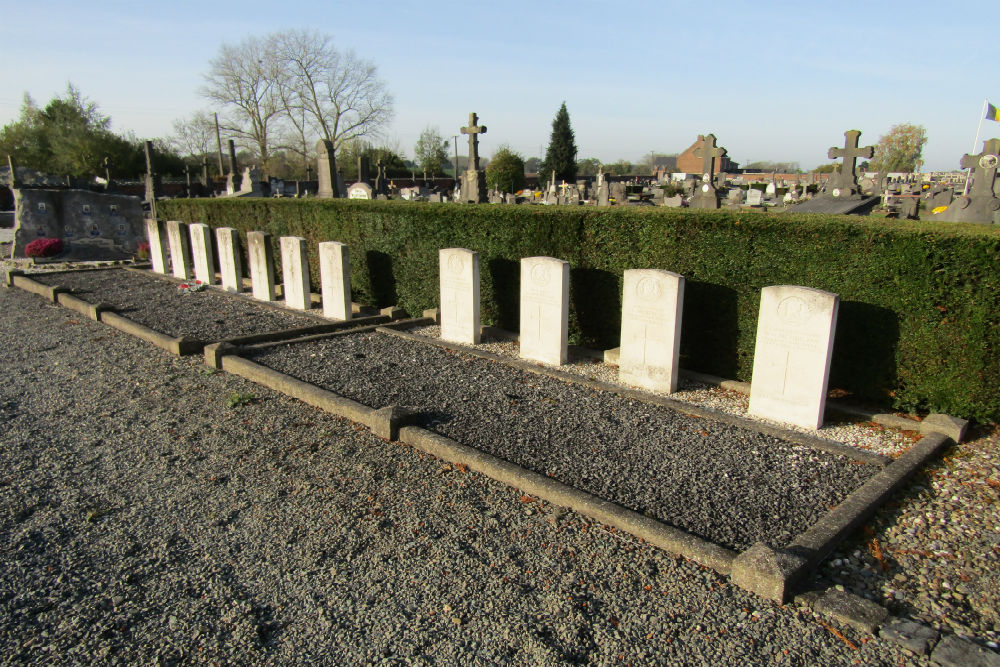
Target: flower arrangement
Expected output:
[194,286]
[43,248]
[142,252]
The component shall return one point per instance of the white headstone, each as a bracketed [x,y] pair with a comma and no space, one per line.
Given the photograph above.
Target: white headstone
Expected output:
[791,364]
[227,240]
[359,191]
[261,255]
[459,273]
[545,309]
[202,252]
[754,197]
[771,189]
[180,249]
[295,272]
[335,276]
[651,329]
[157,245]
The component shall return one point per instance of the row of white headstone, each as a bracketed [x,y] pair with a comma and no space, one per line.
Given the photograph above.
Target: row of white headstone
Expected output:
[795,329]
[186,242]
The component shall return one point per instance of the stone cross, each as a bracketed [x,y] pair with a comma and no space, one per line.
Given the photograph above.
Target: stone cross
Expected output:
[473,130]
[326,170]
[708,152]
[107,173]
[152,180]
[847,183]
[985,164]
[187,176]
[234,175]
[204,173]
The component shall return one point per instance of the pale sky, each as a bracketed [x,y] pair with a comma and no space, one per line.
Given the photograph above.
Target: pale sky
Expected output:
[778,81]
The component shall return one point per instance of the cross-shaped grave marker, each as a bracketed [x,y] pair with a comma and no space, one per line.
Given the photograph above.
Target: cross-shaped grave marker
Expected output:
[985,164]
[473,130]
[708,151]
[847,182]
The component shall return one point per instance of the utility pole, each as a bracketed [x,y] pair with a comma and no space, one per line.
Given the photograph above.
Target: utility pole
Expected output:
[455,139]
[218,141]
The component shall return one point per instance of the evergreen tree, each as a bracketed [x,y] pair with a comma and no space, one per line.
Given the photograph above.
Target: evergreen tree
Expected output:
[561,153]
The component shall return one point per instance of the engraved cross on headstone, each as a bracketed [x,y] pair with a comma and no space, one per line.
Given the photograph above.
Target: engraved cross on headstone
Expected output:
[708,152]
[985,165]
[847,183]
[473,131]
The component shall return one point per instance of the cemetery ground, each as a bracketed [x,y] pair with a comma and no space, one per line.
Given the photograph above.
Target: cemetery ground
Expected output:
[156,510]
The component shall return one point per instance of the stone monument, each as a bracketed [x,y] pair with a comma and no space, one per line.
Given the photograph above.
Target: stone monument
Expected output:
[326,170]
[651,329]
[335,279]
[544,310]
[707,196]
[474,178]
[981,203]
[842,195]
[459,275]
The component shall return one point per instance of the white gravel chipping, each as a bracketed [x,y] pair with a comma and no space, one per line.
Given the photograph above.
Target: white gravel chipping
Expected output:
[852,432]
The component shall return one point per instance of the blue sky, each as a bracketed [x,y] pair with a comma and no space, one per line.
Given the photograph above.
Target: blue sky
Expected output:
[776,81]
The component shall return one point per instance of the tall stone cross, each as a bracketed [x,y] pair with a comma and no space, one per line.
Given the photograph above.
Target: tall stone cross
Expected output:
[473,131]
[847,182]
[985,164]
[152,180]
[708,152]
[204,173]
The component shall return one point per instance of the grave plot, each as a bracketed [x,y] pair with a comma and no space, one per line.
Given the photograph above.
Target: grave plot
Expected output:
[207,315]
[731,486]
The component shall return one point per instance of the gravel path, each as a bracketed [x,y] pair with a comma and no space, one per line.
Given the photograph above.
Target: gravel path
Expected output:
[142,521]
[207,315]
[731,486]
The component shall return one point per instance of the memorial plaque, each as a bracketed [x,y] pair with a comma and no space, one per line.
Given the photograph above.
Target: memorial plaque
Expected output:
[335,278]
[202,252]
[227,240]
[261,256]
[459,275]
[544,309]
[180,249]
[651,329]
[295,272]
[791,365]
[157,245]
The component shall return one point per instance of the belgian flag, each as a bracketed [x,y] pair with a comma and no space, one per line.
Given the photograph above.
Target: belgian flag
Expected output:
[992,113]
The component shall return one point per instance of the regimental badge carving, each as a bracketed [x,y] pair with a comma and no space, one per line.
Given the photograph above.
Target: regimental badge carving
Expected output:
[793,311]
[456,263]
[540,274]
[649,289]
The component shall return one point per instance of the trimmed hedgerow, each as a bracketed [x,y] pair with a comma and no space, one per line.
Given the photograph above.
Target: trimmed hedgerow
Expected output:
[919,325]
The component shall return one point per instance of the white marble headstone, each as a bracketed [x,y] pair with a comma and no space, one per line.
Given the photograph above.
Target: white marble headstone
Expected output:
[791,364]
[651,329]
[459,274]
[260,252]
[545,310]
[157,245]
[227,240]
[335,277]
[202,252]
[295,272]
[180,249]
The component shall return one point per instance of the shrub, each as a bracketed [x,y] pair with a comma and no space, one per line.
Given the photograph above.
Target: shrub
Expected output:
[43,248]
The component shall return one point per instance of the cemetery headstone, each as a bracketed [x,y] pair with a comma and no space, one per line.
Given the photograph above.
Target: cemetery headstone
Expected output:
[295,272]
[326,170]
[180,249]
[617,190]
[359,191]
[474,179]
[227,240]
[544,310]
[841,193]
[157,245]
[202,252]
[755,197]
[205,182]
[707,196]
[234,182]
[335,277]
[673,202]
[981,204]
[791,366]
[260,253]
[651,329]
[459,275]
[153,184]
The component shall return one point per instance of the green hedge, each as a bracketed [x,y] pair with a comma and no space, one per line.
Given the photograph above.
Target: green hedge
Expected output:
[920,302]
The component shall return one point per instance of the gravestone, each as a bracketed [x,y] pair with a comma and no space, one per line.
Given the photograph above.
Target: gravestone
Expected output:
[842,196]
[707,196]
[791,365]
[544,310]
[735,197]
[234,182]
[673,202]
[651,329]
[154,186]
[381,182]
[459,275]
[603,191]
[617,190]
[155,234]
[326,170]
[205,182]
[435,198]
[295,272]
[771,190]
[981,204]
[364,167]
[227,240]
[260,253]
[202,252]
[180,249]
[939,198]
[755,197]
[250,183]
[474,178]
[335,278]
[359,191]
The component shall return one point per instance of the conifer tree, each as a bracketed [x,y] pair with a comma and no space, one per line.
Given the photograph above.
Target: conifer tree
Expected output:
[561,153]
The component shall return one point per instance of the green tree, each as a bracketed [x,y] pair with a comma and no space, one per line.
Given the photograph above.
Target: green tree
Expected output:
[620,168]
[505,172]
[431,150]
[560,156]
[900,149]
[588,166]
[827,168]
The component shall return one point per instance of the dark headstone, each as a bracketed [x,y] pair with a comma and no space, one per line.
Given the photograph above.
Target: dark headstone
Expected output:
[233,181]
[981,204]
[474,179]
[707,196]
[326,170]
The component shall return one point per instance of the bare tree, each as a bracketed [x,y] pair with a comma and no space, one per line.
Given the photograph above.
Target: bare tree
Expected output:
[243,79]
[194,135]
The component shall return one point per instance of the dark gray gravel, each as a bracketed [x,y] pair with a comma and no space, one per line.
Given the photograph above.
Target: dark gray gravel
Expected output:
[158,304]
[142,521]
[732,486]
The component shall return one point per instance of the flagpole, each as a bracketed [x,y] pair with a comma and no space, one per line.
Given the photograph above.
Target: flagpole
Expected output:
[968,176]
